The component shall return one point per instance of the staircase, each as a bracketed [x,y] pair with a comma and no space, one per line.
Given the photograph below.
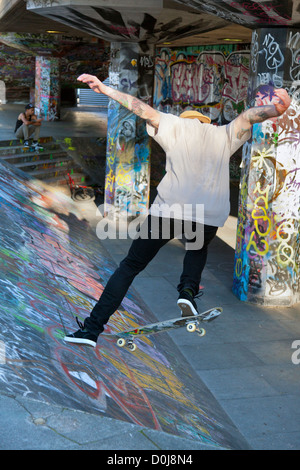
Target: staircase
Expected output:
[52,164]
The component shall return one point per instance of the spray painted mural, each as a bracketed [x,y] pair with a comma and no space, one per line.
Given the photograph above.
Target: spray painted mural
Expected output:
[52,268]
[267,253]
[137,22]
[213,79]
[18,52]
[128,147]
[47,87]
[210,79]
[251,13]
[17,74]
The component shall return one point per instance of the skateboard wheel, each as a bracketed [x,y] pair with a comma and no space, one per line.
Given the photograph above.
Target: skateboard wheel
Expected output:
[121,342]
[132,347]
[191,327]
[201,332]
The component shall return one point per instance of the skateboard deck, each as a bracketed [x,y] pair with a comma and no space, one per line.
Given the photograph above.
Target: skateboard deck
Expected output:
[126,338]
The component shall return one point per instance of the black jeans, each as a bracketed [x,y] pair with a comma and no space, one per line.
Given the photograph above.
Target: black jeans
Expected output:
[143,249]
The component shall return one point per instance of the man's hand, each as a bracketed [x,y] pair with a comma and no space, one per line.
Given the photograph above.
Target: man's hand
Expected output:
[257,114]
[93,82]
[283,101]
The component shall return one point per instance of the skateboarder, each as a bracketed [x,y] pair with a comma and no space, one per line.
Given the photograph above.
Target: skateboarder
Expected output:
[197,173]
[27,125]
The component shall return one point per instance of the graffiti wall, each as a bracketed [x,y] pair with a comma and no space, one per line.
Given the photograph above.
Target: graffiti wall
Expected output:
[210,79]
[267,253]
[17,59]
[17,73]
[128,147]
[53,268]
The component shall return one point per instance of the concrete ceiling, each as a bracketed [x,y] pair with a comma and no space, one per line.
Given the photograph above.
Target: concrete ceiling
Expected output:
[163,22]
[159,21]
[172,25]
[251,13]
[20,20]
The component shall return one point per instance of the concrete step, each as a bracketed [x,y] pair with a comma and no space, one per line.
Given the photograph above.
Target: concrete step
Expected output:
[44,163]
[52,164]
[16,142]
[20,149]
[78,178]
[16,158]
[54,171]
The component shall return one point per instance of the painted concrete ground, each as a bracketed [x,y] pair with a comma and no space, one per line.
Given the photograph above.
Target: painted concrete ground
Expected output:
[53,268]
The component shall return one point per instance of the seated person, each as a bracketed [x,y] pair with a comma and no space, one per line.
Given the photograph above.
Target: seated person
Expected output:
[28,124]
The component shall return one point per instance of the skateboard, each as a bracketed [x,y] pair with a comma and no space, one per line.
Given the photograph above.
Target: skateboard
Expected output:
[192,324]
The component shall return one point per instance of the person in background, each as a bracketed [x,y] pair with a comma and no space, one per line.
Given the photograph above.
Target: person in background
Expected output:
[27,125]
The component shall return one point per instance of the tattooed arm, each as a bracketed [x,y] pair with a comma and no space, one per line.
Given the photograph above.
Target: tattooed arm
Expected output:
[132,103]
[260,113]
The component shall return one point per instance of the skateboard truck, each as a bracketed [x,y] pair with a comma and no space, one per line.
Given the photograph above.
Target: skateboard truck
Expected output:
[128,343]
[192,326]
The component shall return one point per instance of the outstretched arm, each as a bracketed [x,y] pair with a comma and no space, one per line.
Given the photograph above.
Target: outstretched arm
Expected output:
[261,113]
[132,103]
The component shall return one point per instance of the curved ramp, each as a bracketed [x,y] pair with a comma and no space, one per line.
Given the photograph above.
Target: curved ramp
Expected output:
[53,268]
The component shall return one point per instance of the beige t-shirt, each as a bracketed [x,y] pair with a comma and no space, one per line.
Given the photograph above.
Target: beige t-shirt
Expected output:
[197,169]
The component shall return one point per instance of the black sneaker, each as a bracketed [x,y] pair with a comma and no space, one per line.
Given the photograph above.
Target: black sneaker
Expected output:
[187,304]
[26,144]
[82,336]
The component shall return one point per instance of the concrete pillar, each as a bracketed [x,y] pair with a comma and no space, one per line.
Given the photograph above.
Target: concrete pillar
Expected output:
[267,259]
[128,145]
[47,87]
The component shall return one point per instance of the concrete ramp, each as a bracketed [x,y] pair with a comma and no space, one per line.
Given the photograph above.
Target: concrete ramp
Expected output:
[53,268]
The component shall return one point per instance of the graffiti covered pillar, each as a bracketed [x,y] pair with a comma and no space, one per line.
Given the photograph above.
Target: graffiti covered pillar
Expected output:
[128,145]
[266,267]
[47,87]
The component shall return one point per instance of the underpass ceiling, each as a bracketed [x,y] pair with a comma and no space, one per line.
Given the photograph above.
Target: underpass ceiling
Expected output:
[164,22]
[143,21]
[19,19]
[175,25]
[167,20]
[249,13]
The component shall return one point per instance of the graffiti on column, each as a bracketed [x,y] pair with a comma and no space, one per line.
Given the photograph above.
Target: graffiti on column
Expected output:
[48,87]
[267,250]
[128,152]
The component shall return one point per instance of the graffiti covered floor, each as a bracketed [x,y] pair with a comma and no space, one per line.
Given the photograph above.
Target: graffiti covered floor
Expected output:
[53,268]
